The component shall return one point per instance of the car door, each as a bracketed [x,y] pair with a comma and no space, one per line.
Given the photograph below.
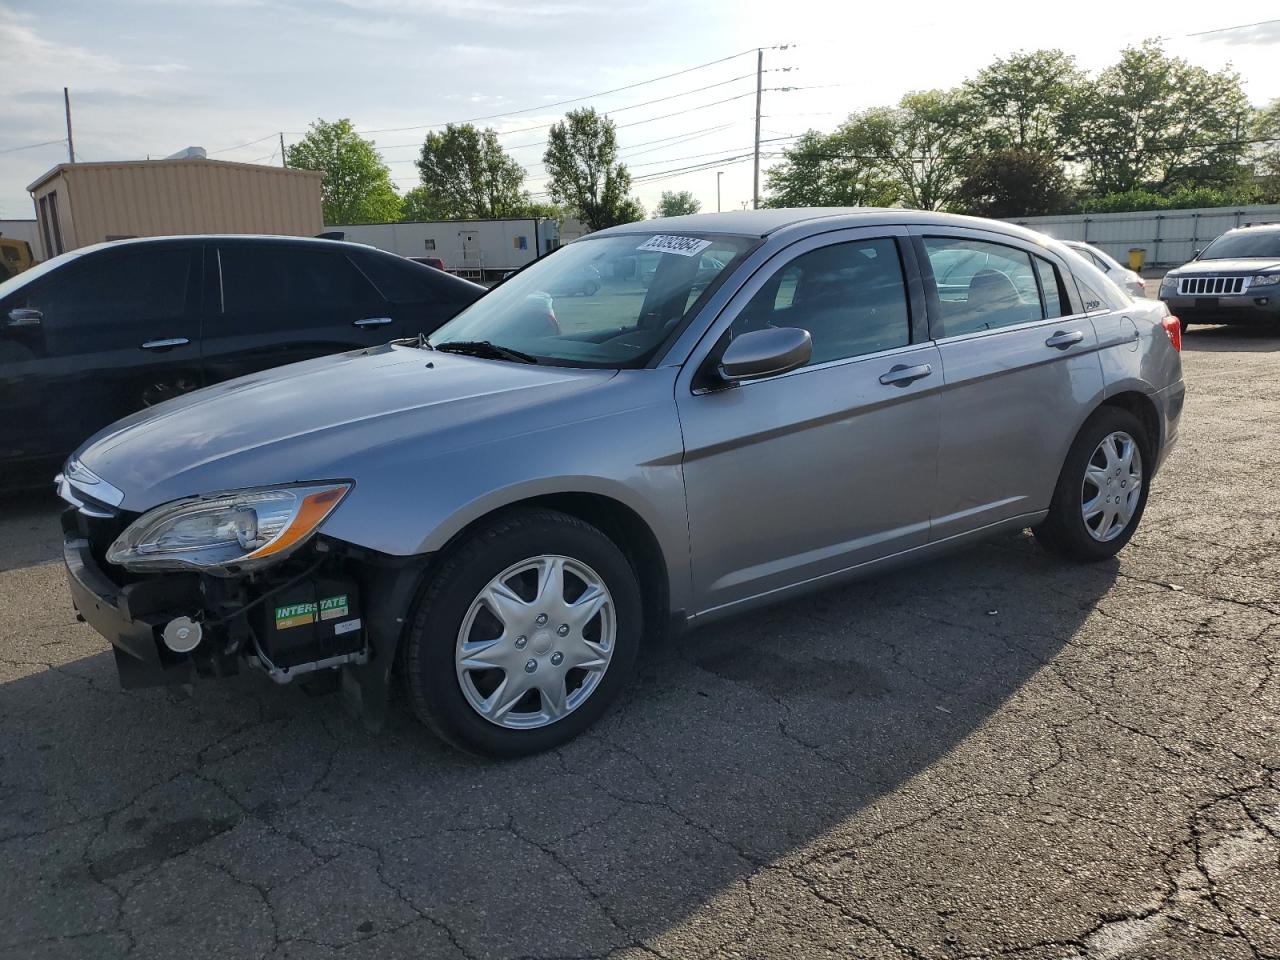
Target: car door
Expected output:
[419,298]
[94,340]
[276,302]
[797,477]
[1019,362]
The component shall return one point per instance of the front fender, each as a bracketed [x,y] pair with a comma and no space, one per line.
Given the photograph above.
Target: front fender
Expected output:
[632,457]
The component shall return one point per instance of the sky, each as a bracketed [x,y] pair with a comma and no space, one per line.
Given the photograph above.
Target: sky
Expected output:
[150,77]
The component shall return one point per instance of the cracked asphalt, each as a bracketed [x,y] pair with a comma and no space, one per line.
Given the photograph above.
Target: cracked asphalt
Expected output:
[997,754]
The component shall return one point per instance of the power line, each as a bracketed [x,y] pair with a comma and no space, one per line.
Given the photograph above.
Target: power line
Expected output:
[32,146]
[241,146]
[1239,26]
[561,103]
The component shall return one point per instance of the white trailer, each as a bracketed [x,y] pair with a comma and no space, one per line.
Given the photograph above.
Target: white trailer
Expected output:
[475,249]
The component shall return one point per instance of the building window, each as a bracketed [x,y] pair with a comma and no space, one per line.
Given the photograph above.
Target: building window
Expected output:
[430,244]
[44,227]
[53,219]
[521,243]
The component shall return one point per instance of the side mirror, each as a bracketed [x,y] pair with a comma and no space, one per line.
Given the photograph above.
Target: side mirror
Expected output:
[1195,254]
[765,353]
[24,317]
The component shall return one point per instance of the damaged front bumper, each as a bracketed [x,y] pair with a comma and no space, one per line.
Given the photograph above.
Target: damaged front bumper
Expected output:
[335,607]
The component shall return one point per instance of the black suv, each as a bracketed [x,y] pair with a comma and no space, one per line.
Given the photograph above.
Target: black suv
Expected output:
[1236,279]
[98,333]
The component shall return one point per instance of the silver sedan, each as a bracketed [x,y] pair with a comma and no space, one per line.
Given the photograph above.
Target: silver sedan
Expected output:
[746,407]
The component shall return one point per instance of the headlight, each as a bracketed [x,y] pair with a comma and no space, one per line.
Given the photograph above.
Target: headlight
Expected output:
[228,533]
[1265,280]
[1168,284]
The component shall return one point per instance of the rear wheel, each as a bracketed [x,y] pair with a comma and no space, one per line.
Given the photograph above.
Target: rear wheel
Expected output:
[1102,490]
[525,636]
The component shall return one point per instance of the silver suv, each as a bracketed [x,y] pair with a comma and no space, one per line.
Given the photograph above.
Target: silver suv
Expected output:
[749,406]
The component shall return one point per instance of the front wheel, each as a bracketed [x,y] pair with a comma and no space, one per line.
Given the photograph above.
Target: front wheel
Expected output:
[525,635]
[1102,490]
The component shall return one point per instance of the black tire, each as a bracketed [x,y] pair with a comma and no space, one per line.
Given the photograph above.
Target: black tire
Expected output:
[433,687]
[1064,531]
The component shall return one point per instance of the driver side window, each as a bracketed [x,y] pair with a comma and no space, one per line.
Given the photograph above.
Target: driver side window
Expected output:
[851,297]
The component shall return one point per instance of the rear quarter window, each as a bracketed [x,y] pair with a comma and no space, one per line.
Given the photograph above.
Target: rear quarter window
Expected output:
[1097,290]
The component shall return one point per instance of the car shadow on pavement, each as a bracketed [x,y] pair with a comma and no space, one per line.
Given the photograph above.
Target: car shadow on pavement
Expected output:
[27,518]
[150,817]
[1231,339]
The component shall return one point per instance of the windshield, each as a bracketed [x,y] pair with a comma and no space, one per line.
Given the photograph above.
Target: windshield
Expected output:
[599,302]
[1263,244]
[20,280]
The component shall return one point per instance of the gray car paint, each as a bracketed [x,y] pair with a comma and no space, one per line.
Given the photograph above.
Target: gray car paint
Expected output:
[751,492]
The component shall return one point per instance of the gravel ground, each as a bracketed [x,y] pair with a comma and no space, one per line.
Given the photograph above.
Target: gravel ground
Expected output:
[997,754]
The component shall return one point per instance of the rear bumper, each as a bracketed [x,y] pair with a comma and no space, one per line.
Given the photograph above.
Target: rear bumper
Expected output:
[1169,403]
[1259,309]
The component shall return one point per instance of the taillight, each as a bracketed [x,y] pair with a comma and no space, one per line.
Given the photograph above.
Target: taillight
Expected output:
[1173,327]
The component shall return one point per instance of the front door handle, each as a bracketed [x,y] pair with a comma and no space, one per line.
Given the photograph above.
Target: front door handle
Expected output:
[372,322]
[901,375]
[168,344]
[1064,338]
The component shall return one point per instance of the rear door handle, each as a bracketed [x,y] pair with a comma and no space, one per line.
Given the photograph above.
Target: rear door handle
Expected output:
[1064,338]
[165,344]
[372,322]
[901,375]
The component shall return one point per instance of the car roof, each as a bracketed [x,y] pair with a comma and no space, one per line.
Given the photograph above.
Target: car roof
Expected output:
[1257,228]
[762,223]
[220,238]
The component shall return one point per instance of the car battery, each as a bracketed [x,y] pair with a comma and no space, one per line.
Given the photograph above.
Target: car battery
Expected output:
[313,621]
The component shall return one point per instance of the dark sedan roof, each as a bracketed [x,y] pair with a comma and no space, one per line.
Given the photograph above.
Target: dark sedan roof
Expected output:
[220,238]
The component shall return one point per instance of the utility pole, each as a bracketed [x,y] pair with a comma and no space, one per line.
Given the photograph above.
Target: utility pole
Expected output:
[71,144]
[719,174]
[283,161]
[755,192]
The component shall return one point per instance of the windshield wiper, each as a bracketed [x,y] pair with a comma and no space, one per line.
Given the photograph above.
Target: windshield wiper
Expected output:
[485,348]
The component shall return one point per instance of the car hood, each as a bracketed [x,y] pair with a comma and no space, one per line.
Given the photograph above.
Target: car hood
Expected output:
[328,418]
[1244,265]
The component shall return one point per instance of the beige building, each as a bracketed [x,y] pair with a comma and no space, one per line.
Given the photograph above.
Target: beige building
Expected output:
[82,203]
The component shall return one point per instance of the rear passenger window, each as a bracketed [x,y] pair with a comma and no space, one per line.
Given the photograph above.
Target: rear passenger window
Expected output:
[1055,298]
[849,296]
[399,280]
[267,277]
[982,286]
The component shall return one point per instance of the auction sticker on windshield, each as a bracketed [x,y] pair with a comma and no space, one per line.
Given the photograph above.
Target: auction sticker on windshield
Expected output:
[681,246]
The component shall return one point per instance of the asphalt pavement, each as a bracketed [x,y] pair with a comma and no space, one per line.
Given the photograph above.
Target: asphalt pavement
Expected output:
[996,754]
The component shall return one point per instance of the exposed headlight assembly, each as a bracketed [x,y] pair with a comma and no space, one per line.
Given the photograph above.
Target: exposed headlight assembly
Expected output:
[1265,280]
[227,533]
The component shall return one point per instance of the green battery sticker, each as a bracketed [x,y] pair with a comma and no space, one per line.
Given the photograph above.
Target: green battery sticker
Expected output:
[334,607]
[295,615]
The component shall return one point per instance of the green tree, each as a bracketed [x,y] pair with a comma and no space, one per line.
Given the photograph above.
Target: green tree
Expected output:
[1157,121]
[584,173]
[831,170]
[1013,182]
[1266,127]
[677,204]
[921,144]
[420,204]
[1026,100]
[357,184]
[466,174]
